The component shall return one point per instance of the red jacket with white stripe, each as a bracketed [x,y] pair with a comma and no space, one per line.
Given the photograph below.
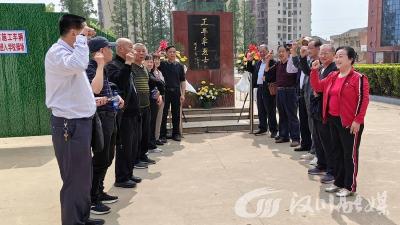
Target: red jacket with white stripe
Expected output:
[353,95]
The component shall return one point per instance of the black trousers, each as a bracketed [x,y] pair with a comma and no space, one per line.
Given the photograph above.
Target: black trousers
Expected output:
[304,128]
[75,163]
[325,152]
[127,150]
[346,147]
[102,158]
[153,121]
[287,104]
[266,105]
[143,134]
[172,98]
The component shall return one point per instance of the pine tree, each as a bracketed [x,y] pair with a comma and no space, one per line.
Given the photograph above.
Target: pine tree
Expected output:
[234,7]
[249,23]
[119,18]
[83,8]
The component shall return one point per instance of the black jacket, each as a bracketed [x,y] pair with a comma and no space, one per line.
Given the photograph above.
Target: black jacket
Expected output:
[154,82]
[253,69]
[316,102]
[120,74]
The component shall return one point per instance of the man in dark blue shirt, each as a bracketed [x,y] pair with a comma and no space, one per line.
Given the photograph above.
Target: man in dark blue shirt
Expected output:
[101,54]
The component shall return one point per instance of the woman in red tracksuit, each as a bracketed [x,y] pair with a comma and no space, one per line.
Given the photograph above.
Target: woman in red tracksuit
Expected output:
[345,102]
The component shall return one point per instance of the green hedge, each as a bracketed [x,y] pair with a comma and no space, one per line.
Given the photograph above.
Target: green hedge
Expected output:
[384,79]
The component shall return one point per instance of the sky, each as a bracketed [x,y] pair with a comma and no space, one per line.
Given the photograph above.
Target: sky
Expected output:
[329,17]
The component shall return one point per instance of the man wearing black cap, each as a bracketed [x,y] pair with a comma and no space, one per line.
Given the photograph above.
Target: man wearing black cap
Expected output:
[101,53]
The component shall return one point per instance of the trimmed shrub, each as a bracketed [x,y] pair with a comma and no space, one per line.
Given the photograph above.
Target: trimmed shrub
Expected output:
[384,79]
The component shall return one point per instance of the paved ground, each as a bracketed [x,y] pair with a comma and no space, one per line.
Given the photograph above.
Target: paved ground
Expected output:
[216,179]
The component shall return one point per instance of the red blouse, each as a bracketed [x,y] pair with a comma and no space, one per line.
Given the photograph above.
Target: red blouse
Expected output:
[334,103]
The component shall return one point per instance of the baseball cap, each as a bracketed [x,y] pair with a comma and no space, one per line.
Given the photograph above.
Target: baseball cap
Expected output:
[96,43]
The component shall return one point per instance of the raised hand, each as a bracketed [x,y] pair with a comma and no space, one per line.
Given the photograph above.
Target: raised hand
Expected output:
[99,58]
[316,65]
[130,58]
[303,51]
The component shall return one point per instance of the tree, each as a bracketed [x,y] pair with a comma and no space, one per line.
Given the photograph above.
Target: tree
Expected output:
[119,18]
[249,23]
[50,7]
[234,7]
[83,8]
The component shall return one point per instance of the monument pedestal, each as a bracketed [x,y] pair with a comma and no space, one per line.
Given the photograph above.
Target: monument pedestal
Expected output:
[207,38]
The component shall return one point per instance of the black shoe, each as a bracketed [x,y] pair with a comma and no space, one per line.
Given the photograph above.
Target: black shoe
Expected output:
[148,160]
[99,209]
[163,140]
[282,140]
[95,222]
[277,138]
[177,137]
[301,149]
[107,199]
[141,165]
[274,134]
[159,142]
[136,179]
[126,184]
[260,132]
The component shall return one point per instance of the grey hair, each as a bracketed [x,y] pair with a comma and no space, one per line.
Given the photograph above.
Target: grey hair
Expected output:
[139,45]
[263,46]
[329,46]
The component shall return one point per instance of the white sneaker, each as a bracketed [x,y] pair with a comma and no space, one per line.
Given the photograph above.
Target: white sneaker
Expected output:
[156,150]
[332,189]
[307,156]
[314,161]
[344,193]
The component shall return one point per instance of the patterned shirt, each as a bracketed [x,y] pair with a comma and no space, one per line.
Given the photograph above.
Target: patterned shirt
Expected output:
[106,91]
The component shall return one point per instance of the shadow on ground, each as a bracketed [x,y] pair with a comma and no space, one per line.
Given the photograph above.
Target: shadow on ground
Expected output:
[25,157]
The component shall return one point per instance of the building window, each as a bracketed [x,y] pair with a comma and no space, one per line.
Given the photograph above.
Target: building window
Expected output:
[289,37]
[299,20]
[299,35]
[289,13]
[279,35]
[284,12]
[279,27]
[279,4]
[284,28]
[289,21]
[289,29]
[299,27]
[390,35]
[279,11]
[299,4]
[300,12]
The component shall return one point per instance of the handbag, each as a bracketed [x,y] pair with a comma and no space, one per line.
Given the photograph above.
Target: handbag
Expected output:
[97,134]
[272,88]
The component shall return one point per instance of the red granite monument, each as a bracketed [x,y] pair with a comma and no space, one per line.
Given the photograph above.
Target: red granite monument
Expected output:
[207,40]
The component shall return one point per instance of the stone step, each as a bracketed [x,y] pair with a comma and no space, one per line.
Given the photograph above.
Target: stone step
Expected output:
[218,126]
[214,111]
[214,117]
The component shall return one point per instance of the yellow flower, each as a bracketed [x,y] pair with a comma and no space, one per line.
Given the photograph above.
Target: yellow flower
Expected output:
[203,82]
[241,55]
[239,61]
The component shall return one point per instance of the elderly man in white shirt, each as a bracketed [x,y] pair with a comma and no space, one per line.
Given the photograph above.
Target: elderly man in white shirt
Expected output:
[70,98]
